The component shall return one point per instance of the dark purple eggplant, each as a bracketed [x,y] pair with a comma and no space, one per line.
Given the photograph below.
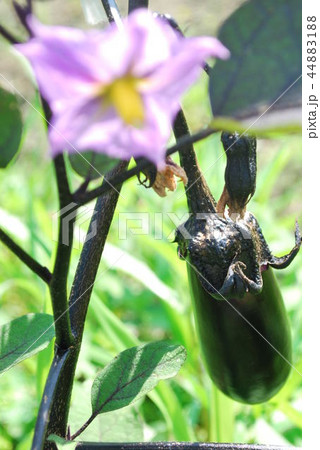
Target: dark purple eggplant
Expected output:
[240,315]
[246,342]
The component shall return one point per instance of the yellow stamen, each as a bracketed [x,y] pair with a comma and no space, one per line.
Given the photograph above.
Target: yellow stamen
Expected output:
[123,95]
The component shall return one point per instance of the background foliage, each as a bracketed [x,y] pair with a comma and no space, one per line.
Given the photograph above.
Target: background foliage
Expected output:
[141,292]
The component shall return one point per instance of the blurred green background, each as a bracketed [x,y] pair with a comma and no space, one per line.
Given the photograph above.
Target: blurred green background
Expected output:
[141,292]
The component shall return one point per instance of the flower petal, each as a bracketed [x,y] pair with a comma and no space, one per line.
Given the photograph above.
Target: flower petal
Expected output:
[150,140]
[63,64]
[153,39]
[84,125]
[178,73]
[76,70]
[69,62]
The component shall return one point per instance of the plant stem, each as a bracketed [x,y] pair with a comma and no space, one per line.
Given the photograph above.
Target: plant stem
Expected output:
[78,304]
[198,194]
[47,404]
[58,285]
[91,256]
[182,145]
[83,427]
[112,11]
[23,12]
[8,36]
[37,268]
[106,6]
[135,4]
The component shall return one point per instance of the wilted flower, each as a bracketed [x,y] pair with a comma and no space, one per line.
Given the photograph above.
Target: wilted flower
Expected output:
[165,178]
[115,91]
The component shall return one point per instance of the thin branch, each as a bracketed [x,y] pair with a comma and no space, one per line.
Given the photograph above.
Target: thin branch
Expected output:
[198,194]
[182,145]
[135,4]
[22,12]
[8,36]
[37,268]
[112,12]
[83,427]
[58,285]
[91,255]
[106,6]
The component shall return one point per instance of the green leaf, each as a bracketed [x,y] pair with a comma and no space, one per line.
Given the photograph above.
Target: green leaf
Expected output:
[24,337]
[10,127]
[264,38]
[163,395]
[91,165]
[133,373]
[124,425]
[266,127]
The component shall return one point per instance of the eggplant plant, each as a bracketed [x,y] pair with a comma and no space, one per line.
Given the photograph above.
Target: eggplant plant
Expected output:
[113,95]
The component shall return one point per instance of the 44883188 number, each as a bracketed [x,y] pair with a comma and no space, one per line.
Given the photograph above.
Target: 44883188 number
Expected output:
[311,45]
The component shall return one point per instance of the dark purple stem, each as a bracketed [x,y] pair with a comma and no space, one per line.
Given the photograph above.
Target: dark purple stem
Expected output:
[135,4]
[37,268]
[8,36]
[106,6]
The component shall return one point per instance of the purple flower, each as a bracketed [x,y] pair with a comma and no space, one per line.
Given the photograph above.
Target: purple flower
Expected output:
[115,91]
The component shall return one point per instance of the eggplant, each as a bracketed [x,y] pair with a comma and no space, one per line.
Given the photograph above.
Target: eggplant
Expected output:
[246,342]
[240,316]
